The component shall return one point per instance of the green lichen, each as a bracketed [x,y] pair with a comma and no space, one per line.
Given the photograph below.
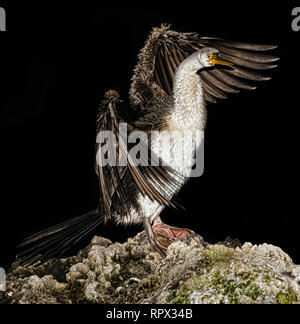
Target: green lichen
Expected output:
[181,297]
[287,297]
[267,278]
[246,275]
[253,292]
[217,254]
[229,287]
[218,280]
[234,299]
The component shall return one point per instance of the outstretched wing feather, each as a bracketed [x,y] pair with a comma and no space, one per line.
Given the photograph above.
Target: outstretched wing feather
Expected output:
[171,48]
[156,182]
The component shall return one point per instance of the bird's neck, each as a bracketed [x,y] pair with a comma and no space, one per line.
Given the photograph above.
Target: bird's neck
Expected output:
[189,104]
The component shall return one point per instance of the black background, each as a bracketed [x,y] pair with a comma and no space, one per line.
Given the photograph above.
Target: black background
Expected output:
[56,62]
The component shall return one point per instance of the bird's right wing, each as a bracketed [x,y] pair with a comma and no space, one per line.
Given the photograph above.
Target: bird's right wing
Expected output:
[165,49]
[156,182]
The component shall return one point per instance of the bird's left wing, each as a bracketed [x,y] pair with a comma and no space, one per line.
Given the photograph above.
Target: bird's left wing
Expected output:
[166,49]
[156,182]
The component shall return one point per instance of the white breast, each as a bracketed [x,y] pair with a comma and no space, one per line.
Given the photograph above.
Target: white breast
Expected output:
[185,131]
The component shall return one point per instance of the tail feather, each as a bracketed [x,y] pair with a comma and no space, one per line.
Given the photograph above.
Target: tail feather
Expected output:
[55,241]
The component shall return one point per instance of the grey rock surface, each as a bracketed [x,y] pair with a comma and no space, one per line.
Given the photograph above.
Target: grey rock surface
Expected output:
[193,272]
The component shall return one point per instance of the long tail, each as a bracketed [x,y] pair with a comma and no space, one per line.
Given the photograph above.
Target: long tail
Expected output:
[55,241]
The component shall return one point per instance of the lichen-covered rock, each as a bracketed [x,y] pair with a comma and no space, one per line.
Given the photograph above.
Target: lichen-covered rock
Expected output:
[193,272]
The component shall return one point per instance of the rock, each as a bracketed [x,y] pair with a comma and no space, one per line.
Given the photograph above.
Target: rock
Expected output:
[193,272]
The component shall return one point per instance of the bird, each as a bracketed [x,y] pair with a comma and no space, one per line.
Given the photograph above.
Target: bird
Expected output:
[177,76]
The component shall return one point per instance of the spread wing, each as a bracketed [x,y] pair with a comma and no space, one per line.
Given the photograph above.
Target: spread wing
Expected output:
[166,49]
[156,182]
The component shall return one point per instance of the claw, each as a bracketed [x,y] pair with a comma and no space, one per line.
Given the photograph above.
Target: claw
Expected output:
[161,235]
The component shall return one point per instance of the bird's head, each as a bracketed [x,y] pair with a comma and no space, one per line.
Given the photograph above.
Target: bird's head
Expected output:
[209,57]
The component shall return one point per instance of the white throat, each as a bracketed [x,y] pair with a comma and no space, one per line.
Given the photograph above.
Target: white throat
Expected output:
[189,104]
[187,120]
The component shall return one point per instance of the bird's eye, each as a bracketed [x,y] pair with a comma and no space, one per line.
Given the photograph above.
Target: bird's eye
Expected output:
[212,56]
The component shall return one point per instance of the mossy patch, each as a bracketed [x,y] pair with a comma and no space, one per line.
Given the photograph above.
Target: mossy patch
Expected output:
[233,288]
[181,297]
[267,278]
[219,281]
[216,254]
[287,297]
[253,292]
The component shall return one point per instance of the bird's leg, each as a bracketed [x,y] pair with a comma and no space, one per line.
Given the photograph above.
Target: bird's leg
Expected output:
[161,235]
[151,238]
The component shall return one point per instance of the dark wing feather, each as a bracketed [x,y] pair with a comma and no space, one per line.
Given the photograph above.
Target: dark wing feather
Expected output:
[166,49]
[156,182]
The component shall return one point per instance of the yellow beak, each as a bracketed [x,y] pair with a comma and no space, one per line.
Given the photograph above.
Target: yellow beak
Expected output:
[215,59]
